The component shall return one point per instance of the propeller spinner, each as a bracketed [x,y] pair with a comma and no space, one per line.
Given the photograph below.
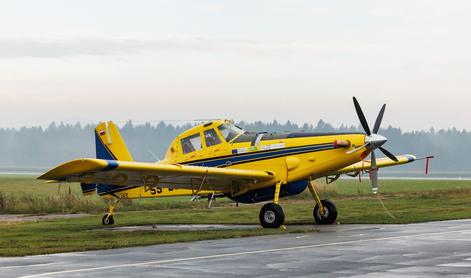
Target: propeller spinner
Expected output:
[373,141]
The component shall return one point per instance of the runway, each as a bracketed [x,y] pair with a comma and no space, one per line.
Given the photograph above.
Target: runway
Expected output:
[433,249]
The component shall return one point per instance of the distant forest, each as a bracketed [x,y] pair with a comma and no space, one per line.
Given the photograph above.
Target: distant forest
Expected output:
[37,147]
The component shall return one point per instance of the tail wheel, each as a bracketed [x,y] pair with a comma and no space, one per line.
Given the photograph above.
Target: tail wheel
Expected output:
[330,213]
[107,220]
[272,216]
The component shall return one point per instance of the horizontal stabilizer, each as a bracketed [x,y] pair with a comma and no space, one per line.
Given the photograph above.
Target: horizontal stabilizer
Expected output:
[88,189]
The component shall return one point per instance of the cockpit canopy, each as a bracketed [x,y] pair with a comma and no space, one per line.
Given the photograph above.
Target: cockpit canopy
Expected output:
[208,135]
[229,131]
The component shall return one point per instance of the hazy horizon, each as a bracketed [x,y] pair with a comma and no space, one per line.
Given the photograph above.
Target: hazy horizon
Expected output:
[49,147]
[182,123]
[86,61]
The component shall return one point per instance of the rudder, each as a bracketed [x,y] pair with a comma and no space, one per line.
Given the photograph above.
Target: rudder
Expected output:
[109,143]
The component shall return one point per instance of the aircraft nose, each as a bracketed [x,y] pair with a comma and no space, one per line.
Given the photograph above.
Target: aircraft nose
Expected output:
[376,140]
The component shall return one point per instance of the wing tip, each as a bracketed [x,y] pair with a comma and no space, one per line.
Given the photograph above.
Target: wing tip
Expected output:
[411,157]
[60,172]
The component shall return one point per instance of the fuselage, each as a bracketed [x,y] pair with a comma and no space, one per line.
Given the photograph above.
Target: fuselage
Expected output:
[295,158]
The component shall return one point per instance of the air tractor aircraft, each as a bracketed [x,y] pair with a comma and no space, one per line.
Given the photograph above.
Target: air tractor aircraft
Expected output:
[217,157]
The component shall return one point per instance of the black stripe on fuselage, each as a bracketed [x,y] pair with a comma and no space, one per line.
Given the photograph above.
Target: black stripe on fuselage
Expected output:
[233,159]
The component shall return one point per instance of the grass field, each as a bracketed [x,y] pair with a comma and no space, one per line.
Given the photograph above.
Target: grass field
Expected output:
[408,200]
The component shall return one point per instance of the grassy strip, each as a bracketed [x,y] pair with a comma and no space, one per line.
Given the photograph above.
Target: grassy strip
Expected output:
[409,201]
[86,233]
[20,239]
[24,194]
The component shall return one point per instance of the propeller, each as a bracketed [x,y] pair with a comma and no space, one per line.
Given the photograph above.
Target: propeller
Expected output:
[373,141]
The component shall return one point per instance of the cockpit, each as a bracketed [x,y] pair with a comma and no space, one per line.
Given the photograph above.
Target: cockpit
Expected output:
[230,131]
[209,135]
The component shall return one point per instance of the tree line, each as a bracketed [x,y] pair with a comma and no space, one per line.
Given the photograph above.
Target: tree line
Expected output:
[44,147]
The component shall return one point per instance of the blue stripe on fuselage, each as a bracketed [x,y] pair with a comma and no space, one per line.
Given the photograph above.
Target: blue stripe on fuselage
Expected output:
[267,193]
[105,189]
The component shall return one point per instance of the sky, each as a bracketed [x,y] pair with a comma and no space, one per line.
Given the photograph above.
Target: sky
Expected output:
[88,61]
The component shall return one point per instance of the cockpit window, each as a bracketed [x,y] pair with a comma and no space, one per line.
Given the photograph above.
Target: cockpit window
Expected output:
[229,131]
[211,138]
[191,143]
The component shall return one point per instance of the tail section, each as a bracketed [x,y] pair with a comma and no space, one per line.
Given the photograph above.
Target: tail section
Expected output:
[110,146]
[88,189]
[109,143]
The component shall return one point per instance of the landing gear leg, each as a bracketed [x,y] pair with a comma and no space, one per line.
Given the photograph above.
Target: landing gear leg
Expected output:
[210,199]
[108,218]
[271,214]
[325,212]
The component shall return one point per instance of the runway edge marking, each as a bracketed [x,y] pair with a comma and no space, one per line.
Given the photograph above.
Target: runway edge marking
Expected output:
[234,254]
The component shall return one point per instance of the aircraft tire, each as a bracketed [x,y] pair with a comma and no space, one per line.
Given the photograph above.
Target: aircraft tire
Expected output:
[272,216]
[330,213]
[107,220]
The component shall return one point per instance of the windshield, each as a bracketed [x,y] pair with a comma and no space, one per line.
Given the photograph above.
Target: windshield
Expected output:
[229,131]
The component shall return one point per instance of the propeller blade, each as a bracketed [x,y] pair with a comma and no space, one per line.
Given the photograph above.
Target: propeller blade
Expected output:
[361,116]
[379,119]
[388,154]
[374,173]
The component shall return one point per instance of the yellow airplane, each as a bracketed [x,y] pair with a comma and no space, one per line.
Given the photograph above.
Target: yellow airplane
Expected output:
[218,157]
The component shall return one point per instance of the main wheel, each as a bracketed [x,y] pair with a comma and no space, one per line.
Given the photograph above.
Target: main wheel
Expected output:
[271,216]
[330,213]
[107,220]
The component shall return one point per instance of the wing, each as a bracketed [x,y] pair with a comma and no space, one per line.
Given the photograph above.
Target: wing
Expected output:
[381,163]
[126,173]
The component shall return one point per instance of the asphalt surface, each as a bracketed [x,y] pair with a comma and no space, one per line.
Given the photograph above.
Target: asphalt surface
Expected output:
[433,249]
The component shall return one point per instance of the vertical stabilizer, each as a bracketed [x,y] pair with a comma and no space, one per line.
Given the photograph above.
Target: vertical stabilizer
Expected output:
[109,143]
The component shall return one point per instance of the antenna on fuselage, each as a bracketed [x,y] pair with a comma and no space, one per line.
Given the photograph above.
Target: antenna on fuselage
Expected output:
[174,122]
[154,155]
